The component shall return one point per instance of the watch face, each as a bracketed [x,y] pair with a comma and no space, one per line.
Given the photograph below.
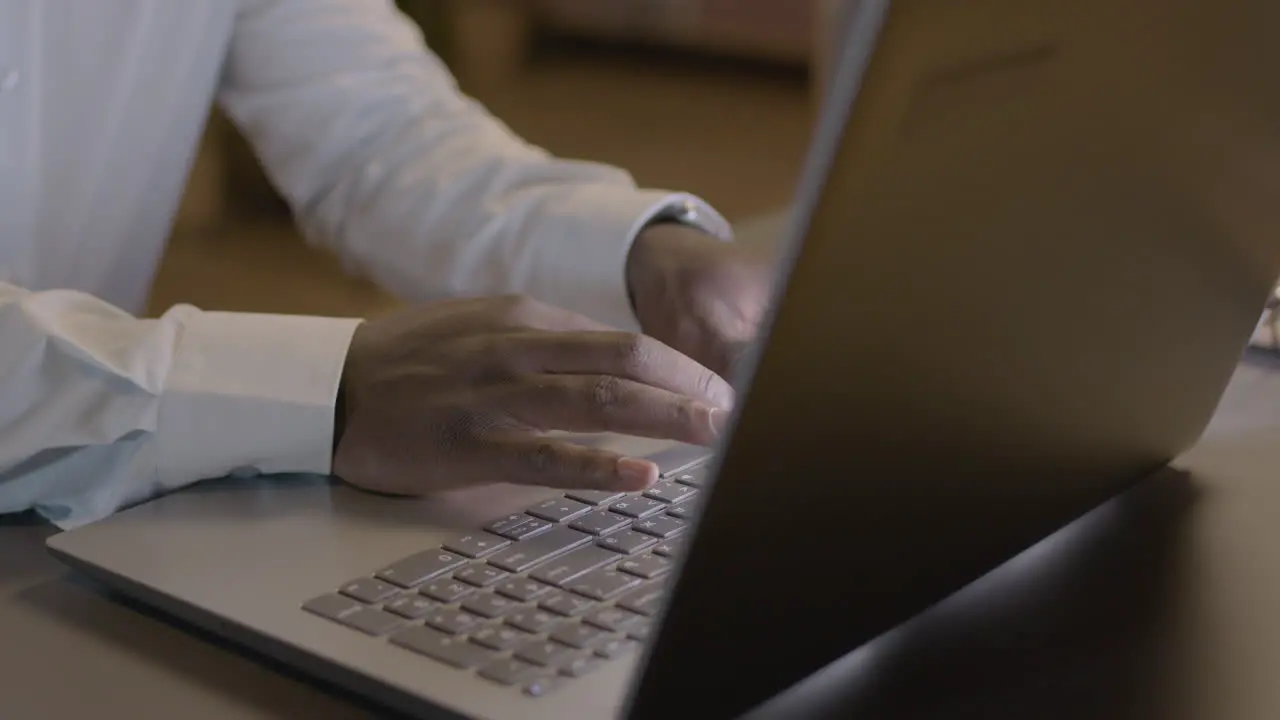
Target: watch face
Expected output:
[691,214]
[684,213]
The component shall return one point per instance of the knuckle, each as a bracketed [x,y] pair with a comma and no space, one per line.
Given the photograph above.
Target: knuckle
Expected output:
[516,309]
[606,393]
[685,413]
[635,353]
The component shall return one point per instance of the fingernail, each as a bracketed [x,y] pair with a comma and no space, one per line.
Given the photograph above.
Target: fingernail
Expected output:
[726,398]
[636,474]
[719,421]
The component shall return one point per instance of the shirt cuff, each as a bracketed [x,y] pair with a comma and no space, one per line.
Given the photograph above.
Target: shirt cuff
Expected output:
[250,394]
[586,272]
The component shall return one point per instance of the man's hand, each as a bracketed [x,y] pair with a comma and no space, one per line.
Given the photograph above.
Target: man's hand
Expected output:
[701,296]
[458,393]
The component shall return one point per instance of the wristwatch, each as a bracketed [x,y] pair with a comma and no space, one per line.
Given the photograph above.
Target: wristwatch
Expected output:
[685,212]
[680,212]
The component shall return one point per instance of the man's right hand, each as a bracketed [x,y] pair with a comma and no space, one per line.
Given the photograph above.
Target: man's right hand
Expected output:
[460,393]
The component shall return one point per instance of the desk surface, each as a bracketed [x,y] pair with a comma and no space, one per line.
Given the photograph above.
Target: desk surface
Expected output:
[1164,605]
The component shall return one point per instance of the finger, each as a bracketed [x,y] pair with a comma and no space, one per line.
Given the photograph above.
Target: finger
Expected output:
[527,460]
[625,355]
[606,403]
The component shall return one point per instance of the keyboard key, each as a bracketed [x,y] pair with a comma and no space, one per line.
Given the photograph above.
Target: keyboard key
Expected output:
[569,566]
[333,607]
[646,599]
[566,604]
[603,584]
[518,526]
[546,653]
[372,622]
[369,590]
[525,554]
[522,589]
[613,619]
[503,524]
[660,526]
[543,686]
[488,605]
[454,622]
[669,548]
[510,671]
[638,507]
[480,575]
[683,511]
[581,665]
[532,620]
[499,637]
[697,479]
[476,545]
[594,497]
[627,542]
[616,648]
[640,631]
[645,566]
[417,569]
[446,590]
[558,510]
[600,522]
[413,607]
[454,651]
[669,491]
[679,458]
[577,635]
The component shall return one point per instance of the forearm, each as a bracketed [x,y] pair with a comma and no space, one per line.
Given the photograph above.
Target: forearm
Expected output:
[385,162]
[99,409]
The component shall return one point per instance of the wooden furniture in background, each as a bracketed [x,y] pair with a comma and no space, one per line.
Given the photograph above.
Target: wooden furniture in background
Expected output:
[490,39]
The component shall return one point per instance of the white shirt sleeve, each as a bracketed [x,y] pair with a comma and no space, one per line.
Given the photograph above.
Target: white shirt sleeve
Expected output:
[99,410]
[386,163]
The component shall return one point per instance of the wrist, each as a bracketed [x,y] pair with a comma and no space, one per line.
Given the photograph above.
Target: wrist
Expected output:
[636,261]
[659,254]
[342,405]
[339,415]
[682,214]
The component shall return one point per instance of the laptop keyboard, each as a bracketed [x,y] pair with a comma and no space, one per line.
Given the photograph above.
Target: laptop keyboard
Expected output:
[537,598]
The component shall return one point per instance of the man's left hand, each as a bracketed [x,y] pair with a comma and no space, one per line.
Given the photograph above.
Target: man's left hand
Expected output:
[702,296]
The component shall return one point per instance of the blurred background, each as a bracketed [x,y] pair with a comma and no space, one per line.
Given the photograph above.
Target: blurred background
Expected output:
[715,97]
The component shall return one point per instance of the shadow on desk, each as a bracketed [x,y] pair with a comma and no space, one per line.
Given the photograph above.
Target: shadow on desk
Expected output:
[1076,627]
[24,558]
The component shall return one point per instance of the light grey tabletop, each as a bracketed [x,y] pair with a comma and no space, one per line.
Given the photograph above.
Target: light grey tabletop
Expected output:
[1170,611]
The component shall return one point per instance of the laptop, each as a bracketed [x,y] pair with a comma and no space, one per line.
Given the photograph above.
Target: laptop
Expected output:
[1029,246]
